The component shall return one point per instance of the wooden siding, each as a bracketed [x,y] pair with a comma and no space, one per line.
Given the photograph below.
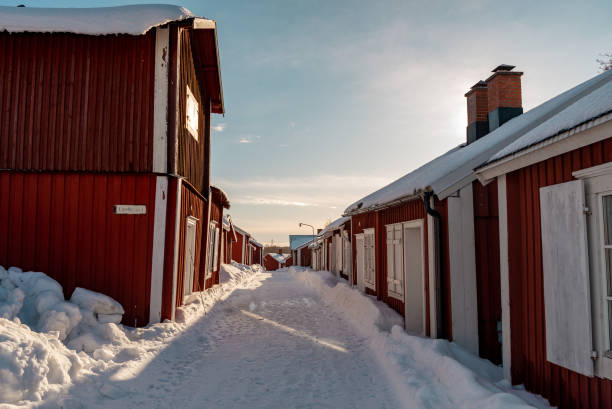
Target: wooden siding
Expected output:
[563,388]
[193,156]
[63,225]
[270,264]
[75,102]
[488,285]
[237,248]
[192,204]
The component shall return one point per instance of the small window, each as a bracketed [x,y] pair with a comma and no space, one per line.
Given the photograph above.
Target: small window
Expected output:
[607,250]
[192,114]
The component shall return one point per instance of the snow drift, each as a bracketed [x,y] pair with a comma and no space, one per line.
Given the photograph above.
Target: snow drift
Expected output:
[47,343]
[432,372]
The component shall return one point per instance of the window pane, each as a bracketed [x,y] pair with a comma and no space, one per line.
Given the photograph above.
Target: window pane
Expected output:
[609,270]
[607,214]
[610,323]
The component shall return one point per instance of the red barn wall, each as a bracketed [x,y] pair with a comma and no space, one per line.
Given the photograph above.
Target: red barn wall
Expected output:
[76,102]
[270,264]
[561,386]
[192,204]
[237,248]
[488,284]
[63,225]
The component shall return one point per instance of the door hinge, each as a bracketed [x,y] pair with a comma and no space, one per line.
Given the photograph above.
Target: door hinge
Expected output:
[594,354]
[587,211]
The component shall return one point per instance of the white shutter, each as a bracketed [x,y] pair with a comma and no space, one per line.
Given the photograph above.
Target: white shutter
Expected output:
[566,277]
[370,259]
[395,262]
[398,256]
[216,257]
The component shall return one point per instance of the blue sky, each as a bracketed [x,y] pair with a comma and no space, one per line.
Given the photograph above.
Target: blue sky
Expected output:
[328,101]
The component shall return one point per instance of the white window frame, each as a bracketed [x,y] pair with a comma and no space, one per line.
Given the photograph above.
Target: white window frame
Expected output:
[192,113]
[598,183]
[369,284]
[212,246]
[189,276]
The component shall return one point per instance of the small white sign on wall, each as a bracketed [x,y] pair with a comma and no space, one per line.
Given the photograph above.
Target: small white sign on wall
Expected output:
[192,114]
[130,209]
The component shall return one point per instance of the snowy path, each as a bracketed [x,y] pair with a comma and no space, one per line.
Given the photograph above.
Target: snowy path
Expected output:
[274,346]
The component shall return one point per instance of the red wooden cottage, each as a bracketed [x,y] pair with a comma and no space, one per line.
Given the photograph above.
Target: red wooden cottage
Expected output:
[555,207]
[218,202]
[228,237]
[303,254]
[336,244]
[427,244]
[275,261]
[240,246]
[105,149]
[255,252]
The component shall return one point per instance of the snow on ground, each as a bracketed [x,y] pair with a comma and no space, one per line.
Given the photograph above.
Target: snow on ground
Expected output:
[294,338]
[425,372]
[48,344]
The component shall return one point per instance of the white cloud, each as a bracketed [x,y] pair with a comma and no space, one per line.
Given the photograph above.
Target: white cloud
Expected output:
[220,127]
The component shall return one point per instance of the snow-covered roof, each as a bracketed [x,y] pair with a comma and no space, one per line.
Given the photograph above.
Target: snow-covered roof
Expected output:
[133,19]
[255,242]
[224,198]
[594,99]
[335,225]
[455,169]
[281,258]
[297,240]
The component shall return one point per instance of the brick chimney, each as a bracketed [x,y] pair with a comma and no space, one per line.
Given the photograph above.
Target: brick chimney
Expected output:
[504,95]
[477,110]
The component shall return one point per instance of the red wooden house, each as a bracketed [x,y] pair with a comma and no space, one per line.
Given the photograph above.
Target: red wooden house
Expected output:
[298,247]
[275,261]
[228,238]
[105,149]
[240,246]
[336,246]
[554,186]
[218,202]
[427,244]
[255,252]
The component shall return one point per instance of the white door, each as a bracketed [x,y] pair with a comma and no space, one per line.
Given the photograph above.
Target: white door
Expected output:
[190,241]
[347,259]
[414,299]
[332,254]
[369,259]
[338,244]
[360,260]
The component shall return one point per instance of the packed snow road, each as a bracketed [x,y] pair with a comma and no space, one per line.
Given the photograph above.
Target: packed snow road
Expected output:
[274,345]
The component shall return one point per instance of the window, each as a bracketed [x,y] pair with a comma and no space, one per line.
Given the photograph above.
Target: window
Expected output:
[395,261]
[369,252]
[190,241]
[192,111]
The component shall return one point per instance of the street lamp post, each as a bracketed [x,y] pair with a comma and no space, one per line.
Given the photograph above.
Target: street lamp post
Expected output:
[313,234]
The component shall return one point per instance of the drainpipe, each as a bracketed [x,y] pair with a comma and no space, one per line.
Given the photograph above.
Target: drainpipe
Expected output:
[436,215]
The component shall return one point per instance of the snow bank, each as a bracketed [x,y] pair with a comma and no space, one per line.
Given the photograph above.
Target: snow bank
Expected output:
[46,343]
[432,372]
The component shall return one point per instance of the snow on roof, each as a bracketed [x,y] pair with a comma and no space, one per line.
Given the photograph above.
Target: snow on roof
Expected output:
[297,240]
[255,242]
[335,225]
[594,104]
[133,19]
[281,258]
[455,168]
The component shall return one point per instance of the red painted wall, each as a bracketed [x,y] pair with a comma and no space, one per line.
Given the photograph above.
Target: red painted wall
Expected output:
[270,264]
[488,285]
[561,386]
[63,225]
[75,102]
[237,248]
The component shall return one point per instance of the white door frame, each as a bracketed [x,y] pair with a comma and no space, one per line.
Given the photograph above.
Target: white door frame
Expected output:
[416,224]
[189,269]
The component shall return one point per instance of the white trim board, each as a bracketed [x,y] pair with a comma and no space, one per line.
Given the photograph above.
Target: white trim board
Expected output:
[504,271]
[177,231]
[160,104]
[159,241]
